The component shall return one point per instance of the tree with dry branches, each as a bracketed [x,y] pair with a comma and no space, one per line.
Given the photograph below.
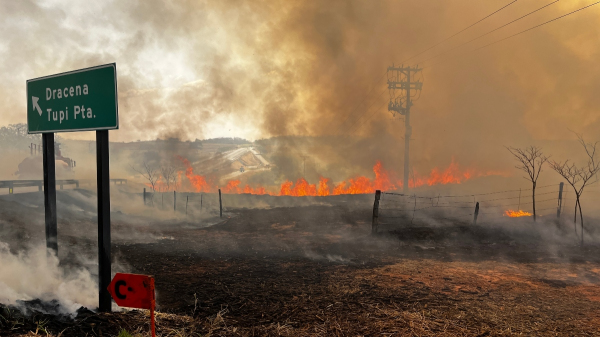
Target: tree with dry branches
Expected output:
[579,176]
[169,175]
[150,173]
[531,160]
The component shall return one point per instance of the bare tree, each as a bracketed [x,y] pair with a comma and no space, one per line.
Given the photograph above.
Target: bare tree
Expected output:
[578,177]
[169,176]
[151,174]
[531,160]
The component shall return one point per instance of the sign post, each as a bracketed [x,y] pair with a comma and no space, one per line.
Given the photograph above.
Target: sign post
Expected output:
[80,100]
[134,291]
[103,187]
[50,192]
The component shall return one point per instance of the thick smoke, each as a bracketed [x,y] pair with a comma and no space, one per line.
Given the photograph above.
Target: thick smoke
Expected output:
[34,274]
[290,69]
[303,68]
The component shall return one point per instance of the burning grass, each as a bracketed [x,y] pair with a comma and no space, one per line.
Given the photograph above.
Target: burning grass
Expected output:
[317,271]
[384,180]
[516,214]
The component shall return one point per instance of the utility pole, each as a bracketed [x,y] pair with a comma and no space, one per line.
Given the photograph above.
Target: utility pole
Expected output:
[399,78]
[304,164]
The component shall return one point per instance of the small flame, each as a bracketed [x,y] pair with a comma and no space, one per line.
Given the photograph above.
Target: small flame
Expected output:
[516,214]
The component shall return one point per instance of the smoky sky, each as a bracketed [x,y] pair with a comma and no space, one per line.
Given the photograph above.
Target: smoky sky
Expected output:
[260,69]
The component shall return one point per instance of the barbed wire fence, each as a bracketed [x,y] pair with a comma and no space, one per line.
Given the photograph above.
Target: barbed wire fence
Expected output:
[187,203]
[398,208]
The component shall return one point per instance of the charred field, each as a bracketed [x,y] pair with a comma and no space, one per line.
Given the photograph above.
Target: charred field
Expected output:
[277,266]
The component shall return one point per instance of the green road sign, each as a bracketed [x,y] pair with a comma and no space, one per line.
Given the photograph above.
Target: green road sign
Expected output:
[80,100]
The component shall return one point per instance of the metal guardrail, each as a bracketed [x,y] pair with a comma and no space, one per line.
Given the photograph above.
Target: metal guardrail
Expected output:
[117,181]
[12,184]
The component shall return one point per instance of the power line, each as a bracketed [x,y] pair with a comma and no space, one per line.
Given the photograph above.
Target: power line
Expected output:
[521,32]
[467,195]
[491,31]
[351,114]
[536,26]
[453,35]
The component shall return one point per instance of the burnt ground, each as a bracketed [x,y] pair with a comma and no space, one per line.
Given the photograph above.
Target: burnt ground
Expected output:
[317,271]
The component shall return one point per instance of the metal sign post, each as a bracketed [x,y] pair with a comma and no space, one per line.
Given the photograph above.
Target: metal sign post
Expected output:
[50,192]
[80,100]
[103,186]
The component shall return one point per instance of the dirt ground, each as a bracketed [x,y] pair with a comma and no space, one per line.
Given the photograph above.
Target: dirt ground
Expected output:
[317,271]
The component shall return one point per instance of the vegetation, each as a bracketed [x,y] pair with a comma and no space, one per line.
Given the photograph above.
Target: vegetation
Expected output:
[579,176]
[530,160]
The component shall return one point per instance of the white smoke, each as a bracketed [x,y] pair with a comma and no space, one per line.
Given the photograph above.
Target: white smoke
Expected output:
[34,274]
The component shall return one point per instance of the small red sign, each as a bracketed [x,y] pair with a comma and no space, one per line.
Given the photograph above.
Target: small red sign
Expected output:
[132,290]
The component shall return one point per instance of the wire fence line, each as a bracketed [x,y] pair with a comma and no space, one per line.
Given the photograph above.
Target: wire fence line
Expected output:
[393,205]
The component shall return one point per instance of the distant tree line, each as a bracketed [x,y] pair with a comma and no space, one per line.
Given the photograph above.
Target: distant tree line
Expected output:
[15,137]
[226,140]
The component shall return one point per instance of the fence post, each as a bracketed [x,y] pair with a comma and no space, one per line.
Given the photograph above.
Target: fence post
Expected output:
[476,213]
[187,197]
[560,190]
[375,222]
[220,205]
[144,195]
[200,201]
[174,201]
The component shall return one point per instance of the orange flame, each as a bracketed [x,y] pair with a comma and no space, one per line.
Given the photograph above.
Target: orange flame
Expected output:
[233,186]
[286,188]
[301,189]
[383,180]
[451,175]
[198,182]
[516,214]
[323,190]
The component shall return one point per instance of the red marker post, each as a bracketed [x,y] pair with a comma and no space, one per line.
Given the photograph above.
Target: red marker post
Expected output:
[134,291]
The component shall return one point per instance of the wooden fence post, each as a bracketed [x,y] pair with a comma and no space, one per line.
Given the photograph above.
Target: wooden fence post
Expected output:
[375,223]
[187,198]
[174,201]
[559,208]
[220,205]
[144,195]
[476,213]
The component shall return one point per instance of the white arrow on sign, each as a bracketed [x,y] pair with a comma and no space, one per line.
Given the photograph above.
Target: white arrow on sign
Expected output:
[35,100]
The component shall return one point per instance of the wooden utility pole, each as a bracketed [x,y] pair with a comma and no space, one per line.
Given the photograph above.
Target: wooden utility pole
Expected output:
[375,223]
[399,78]
[560,192]
[304,165]
[220,205]
[476,213]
